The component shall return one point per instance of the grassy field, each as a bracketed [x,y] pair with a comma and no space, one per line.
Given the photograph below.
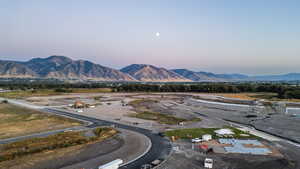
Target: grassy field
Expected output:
[17,121]
[28,93]
[19,149]
[138,103]
[51,92]
[162,118]
[143,112]
[198,132]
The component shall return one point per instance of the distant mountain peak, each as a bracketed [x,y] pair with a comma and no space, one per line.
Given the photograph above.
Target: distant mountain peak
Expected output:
[208,76]
[146,72]
[62,67]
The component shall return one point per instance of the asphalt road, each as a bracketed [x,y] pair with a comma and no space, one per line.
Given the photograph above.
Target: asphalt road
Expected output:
[161,147]
[42,134]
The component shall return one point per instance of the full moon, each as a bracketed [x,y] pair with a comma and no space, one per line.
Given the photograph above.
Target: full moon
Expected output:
[157,34]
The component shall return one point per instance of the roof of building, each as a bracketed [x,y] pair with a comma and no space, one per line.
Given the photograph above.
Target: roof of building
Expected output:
[224,131]
[78,102]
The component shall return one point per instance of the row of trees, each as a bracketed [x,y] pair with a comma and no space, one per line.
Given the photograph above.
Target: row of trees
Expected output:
[208,88]
[283,90]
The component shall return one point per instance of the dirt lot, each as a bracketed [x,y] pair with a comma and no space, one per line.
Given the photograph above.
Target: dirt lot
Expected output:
[17,121]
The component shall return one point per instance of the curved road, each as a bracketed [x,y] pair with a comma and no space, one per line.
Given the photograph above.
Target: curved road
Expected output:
[160,148]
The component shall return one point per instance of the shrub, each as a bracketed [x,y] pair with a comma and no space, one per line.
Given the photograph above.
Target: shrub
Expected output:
[61,90]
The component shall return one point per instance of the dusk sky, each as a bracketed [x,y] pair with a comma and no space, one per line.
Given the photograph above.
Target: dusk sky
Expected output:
[221,36]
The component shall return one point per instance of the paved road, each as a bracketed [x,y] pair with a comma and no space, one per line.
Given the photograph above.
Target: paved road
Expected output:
[91,156]
[161,147]
[42,134]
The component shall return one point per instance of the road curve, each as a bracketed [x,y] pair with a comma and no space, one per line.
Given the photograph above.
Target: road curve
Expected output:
[160,148]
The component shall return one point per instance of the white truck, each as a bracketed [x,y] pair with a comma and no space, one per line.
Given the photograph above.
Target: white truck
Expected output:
[112,165]
[208,163]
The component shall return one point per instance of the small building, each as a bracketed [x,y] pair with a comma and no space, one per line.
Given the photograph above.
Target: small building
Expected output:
[181,123]
[79,105]
[208,163]
[206,137]
[224,132]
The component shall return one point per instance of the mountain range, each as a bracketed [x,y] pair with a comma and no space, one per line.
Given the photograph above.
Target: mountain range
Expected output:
[64,68]
[61,67]
[150,73]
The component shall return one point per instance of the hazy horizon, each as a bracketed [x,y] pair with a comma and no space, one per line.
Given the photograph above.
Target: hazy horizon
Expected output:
[251,37]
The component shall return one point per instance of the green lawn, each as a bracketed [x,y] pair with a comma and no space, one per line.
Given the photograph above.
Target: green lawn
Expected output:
[198,132]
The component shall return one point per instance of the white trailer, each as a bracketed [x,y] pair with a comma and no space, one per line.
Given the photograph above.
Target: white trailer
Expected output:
[206,137]
[112,165]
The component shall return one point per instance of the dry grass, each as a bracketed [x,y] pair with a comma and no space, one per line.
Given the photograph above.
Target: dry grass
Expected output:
[243,96]
[96,90]
[51,92]
[31,160]
[55,142]
[17,121]
[161,118]
[29,93]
